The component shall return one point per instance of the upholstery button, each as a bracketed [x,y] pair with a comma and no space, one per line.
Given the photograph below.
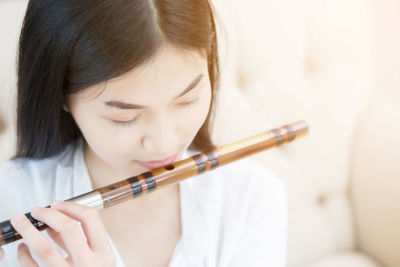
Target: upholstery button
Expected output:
[2,125]
[321,199]
[310,66]
[242,80]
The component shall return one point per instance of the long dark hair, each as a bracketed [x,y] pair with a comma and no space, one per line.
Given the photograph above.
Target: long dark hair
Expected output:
[68,45]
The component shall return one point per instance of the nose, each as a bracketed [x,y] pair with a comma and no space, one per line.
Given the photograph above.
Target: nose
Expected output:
[161,137]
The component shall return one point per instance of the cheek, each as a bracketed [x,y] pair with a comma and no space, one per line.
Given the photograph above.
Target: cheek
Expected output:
[204,108]
[104,139]
[196,118]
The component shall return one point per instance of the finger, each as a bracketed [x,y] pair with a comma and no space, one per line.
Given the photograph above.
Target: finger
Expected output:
[36,240]
[91,224]
[1,254]
[24,256]
[57,239]
[67,227]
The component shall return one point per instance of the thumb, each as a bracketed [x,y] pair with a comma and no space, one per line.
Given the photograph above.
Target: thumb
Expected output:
[1,254]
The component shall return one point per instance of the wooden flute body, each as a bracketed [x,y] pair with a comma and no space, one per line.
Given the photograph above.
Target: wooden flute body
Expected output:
[158,178]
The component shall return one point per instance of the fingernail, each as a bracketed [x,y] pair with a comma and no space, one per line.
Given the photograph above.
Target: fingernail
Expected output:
[21,246]
[34,210]
[17,217]
[56,203]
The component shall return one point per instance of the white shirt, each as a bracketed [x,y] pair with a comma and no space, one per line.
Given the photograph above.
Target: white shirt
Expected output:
[234,215]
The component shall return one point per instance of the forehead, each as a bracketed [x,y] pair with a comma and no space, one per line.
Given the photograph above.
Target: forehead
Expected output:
[166,74]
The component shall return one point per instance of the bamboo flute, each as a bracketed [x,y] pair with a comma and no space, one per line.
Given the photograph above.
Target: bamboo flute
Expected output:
[158,178]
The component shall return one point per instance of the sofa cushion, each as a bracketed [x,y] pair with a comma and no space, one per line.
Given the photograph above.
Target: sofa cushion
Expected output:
[345,259]
[375,184]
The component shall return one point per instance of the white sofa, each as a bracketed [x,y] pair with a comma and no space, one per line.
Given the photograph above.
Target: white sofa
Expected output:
[284,61]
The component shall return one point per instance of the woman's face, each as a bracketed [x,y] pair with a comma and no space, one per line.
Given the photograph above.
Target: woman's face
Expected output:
[148,114]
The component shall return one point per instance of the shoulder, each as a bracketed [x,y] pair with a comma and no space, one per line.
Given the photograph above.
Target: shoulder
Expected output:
[252,184]
[247,177]
[244,175]
[243,186]
[251,173]
[25,171]
[26,181]
[255,215]
[241,200]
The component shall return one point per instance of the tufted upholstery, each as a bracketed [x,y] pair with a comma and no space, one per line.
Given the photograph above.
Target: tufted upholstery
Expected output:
[2,124]
[375,183]
[314,60]
[283,61]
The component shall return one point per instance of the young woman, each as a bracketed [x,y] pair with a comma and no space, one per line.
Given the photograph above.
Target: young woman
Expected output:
[111,89]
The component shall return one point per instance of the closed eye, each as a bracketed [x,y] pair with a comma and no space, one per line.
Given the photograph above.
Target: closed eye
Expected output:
[126,123]
[187,103]
[130,122]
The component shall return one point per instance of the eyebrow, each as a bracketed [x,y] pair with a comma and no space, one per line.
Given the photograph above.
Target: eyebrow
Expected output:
[123,105]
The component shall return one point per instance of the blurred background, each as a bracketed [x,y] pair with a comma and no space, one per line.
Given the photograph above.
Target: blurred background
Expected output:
[334,64]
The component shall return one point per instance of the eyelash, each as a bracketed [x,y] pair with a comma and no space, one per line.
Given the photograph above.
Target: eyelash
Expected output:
[128,123]
[187,103]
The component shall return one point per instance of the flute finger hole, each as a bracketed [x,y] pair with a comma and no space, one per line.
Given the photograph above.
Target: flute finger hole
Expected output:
[169,167]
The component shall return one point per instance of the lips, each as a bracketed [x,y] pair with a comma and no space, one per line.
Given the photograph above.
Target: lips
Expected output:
[157,164]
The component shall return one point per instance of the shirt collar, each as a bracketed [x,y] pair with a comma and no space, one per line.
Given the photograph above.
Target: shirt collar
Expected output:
[82,183]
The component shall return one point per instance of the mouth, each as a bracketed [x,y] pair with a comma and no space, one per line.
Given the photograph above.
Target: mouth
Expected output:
[157,164]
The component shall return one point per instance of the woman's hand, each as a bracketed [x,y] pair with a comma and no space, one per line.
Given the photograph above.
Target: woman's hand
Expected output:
[1,253]
[64,221]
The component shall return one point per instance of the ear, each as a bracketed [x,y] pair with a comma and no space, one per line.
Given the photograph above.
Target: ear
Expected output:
[65,108]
